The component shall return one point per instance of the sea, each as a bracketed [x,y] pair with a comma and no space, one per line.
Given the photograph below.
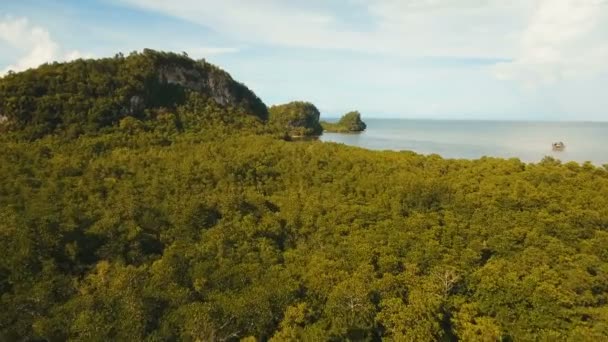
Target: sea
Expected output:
[527,141]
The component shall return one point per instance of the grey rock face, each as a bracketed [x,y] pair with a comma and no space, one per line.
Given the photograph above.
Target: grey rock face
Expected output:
[136,104]
[195,80]
[216,84]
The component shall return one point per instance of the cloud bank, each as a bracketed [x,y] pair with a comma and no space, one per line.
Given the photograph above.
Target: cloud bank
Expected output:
[34,42]
[461,28]
[565,39]
[545,40]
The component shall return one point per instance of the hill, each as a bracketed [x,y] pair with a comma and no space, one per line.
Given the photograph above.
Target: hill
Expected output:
[88,95]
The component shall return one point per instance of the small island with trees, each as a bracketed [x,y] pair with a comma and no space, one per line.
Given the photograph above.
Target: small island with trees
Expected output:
[296,119]
[349,123]
[300,120]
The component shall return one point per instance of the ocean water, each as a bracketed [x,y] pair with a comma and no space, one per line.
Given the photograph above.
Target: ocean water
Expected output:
[528,141]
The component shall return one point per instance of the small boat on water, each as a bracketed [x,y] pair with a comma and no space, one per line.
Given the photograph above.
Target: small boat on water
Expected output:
[559,146]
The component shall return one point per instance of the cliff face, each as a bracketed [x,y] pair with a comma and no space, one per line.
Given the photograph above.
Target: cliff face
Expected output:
[214,83]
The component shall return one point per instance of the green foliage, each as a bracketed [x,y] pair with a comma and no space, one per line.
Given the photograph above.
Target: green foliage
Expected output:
[152,232]
[196,223]
[348,123]
[296,119]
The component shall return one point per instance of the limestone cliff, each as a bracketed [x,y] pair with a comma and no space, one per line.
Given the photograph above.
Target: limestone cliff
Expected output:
[209,80]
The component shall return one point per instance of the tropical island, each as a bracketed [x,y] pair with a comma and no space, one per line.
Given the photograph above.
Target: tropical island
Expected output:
[349,123]
[152,197]
[296,119]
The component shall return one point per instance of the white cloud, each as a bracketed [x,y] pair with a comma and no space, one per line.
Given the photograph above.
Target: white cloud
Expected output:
[199,52]
[565,39]
[546,40]
[75,54]
[261,21]
[34,42]
[451,28]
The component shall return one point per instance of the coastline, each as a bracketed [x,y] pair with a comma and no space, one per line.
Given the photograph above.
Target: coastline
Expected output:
[475,139]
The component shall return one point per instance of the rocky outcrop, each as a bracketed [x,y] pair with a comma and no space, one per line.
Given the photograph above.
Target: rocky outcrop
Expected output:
[215,83]
[136,105]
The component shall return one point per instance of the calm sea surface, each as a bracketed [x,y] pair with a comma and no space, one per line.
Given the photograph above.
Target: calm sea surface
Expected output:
[528,141]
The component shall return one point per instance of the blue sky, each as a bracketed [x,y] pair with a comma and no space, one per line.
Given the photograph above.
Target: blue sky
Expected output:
[455,59]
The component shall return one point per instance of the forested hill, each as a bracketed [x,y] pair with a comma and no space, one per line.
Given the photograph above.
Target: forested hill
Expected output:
[88,95]
[194,221]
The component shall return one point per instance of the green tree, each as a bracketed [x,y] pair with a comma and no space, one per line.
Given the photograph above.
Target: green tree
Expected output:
[296,119]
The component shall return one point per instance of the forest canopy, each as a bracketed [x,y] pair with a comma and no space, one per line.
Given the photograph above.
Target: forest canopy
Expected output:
[198,223]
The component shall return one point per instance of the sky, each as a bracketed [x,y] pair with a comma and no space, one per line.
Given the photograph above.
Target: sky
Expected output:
[435,59]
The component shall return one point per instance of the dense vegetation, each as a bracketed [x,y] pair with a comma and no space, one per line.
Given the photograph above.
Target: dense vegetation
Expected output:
[199,224]
[296,119]
[349,123]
